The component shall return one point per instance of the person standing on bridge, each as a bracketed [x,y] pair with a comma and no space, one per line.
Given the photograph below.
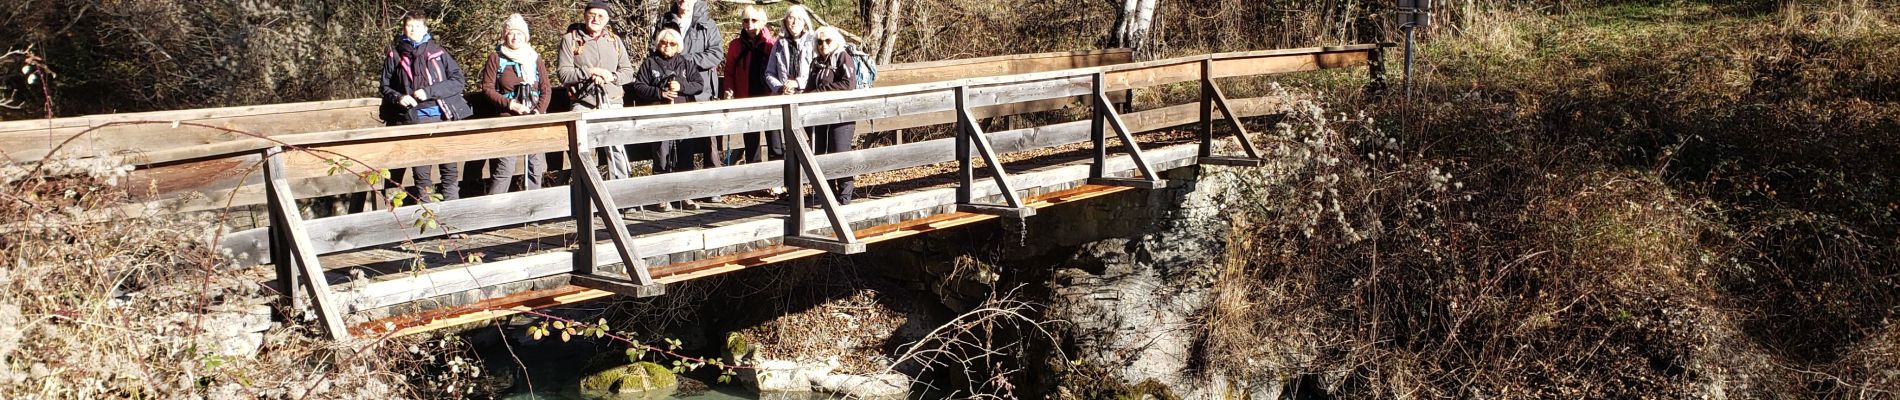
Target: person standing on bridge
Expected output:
[745,75]
[702,45]
[594,64]
[666,77]
[421,83]
[516,79]
[833,69]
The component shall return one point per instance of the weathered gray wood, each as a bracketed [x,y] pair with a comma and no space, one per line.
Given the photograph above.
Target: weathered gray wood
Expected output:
[1240,130]
[456,279]
[1107,109]
[589,174]
[796,142]
[618,286]
[383,227]
[971,135]
[284,213]
[695,124]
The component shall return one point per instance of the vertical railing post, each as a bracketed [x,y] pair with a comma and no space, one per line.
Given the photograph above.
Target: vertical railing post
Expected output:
[794,174]
[280,258]
[1207,107]
[966,173]
[283,210]
[580,201]
[1097,116]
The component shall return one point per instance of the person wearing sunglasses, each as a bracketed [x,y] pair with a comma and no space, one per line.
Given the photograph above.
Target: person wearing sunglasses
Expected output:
[745,75]
[832,70]
[666,77]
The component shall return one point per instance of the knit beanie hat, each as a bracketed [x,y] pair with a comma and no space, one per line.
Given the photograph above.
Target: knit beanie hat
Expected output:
[598,4]
[516,23]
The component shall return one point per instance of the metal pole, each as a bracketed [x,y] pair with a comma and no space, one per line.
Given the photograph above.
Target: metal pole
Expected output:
[1408,61]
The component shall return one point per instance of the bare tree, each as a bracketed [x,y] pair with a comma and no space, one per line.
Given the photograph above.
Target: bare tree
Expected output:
[1133,26]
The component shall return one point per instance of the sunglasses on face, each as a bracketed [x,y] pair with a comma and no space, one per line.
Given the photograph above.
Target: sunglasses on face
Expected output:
[826,41]
[751,20]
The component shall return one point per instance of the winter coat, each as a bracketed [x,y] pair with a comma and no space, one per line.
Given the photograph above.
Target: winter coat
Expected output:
[791,61]
[580,51]
[833,73]
[409,66]
[501,76]
[656,71]
[744,72]
[701,44]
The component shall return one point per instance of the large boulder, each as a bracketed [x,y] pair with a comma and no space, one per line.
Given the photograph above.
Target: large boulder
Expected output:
[882,386]
[635,378]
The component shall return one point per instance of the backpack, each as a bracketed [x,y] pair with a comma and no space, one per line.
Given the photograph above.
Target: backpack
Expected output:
[865,69]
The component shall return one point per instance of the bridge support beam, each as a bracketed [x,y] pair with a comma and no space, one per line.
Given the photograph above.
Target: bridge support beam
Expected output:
[799,166]
[590,191]
[970,135]
[1104,112]
[301,258]
[1212,96]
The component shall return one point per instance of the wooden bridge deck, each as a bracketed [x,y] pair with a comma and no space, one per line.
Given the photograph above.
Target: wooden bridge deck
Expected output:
[382,275]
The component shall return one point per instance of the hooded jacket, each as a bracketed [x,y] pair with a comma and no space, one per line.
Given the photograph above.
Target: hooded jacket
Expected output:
[791,61]
[744,72]
[701,44]
[656,71]
[580,51]
[410,66]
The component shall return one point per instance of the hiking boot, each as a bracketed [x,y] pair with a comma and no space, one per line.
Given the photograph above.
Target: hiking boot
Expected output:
[662,207]
[689,205]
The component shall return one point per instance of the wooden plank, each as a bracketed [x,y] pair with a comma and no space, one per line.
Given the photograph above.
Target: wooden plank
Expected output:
[933,71]
[222,149]
[129,137]
[689,125]
[186,115]
[589,174]
[284,214]
[383,227]
[436,149]
[458,279]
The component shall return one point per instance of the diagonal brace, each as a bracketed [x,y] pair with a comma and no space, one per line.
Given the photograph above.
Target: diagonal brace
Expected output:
[803,159]
[283,212]
[970,135]
[1106,109]
[588,174]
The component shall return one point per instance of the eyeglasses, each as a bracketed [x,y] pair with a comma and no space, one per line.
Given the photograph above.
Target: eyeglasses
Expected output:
[751,20]
[826,41]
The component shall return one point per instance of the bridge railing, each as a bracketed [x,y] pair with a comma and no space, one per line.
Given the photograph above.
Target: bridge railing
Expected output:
[321,164]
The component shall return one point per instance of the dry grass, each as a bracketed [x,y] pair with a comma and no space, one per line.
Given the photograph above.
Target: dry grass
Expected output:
[141,308]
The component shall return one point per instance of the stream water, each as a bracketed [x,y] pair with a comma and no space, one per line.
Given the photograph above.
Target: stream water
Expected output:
[554,370]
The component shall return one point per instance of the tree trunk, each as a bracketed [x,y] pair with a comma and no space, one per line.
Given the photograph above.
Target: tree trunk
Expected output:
[872,13]
[1139,28]
[893,25]
[1122,22]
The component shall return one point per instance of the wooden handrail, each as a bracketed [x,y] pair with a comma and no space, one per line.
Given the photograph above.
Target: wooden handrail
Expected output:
[1121,77]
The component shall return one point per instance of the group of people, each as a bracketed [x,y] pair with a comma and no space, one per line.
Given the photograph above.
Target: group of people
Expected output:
[685,62]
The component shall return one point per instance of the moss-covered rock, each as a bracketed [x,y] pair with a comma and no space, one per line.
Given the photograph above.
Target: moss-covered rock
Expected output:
[631,378]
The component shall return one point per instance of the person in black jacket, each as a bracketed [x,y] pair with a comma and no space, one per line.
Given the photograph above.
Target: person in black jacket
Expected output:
[666,77]
[421,83]
[833,69]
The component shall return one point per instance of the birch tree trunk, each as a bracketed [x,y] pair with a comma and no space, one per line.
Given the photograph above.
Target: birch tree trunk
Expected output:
[893,25]
[1139,28]
[1123,21]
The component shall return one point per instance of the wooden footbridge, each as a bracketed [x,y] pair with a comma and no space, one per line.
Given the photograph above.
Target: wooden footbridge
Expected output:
[416,268]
